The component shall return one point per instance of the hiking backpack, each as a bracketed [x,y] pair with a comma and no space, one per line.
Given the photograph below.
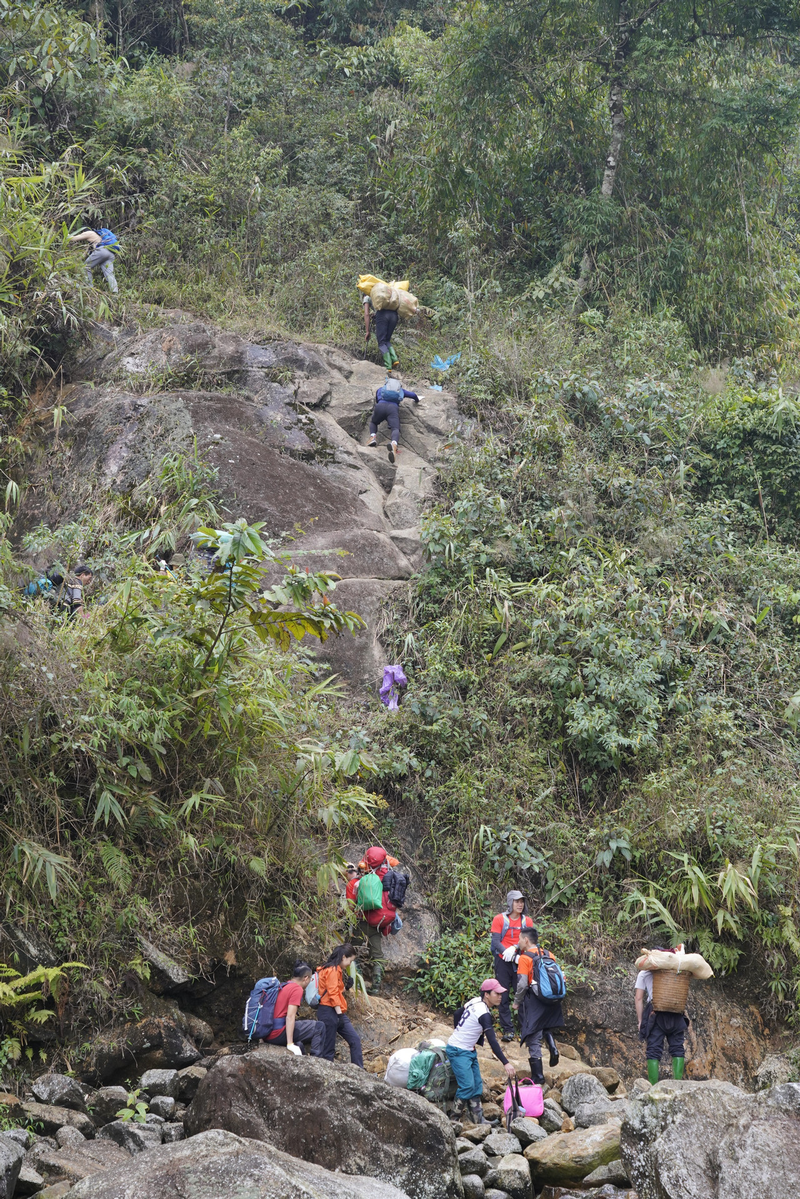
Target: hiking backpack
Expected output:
[370,893]
[527,922]
[259,1011]
[312,990]
[109,240]
[392,391]
[548,978]
[395,884]
[431,1075]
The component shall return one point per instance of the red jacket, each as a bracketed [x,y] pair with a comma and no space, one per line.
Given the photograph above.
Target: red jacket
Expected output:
[377,860]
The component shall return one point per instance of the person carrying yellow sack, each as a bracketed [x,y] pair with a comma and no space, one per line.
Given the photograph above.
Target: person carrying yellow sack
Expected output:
[385,302]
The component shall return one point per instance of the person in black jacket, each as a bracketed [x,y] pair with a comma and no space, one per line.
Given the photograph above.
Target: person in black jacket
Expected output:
[537,1018]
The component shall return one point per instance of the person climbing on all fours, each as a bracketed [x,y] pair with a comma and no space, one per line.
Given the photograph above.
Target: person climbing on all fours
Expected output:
[472,1023]
[105,245]
[656,1027]
[505,936]
[387,408]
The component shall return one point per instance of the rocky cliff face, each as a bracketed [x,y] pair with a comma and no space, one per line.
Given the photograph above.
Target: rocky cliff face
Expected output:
[286,427]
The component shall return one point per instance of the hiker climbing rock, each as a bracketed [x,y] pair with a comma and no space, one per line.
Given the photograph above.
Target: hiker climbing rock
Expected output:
[657,1027]
[387,408]
[505,937]
[381,891]
[472,1023]
[286,1028]
[332,1009]
[105,245]
[384,322]
[540,989]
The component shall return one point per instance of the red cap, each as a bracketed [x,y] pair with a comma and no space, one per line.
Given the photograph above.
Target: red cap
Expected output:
[491,984]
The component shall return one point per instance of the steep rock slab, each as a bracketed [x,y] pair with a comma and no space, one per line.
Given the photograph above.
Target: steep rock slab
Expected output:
[709,1140]
[359,657]
[335,1116]
[567,1157]
[218,1163]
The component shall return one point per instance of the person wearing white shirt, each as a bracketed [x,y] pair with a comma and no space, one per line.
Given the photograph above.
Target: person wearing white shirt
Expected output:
[473,1023]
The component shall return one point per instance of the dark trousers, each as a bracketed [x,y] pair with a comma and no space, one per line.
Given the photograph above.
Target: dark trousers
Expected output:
[661,1026]
[384,323]
[506,975]
[305,1032]
[385,410]
[339,1025]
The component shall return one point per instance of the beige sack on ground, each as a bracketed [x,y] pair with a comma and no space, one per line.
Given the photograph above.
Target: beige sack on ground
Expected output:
[685,963]
[383,295]
[408,304]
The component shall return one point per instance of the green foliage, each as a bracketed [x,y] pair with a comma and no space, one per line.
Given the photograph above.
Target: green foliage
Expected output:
[454,967]
[135,1110]
[21,1000]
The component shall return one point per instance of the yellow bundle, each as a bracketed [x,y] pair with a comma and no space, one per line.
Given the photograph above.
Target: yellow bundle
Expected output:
[679,962]
[384,295]
[408,304]
[367,282]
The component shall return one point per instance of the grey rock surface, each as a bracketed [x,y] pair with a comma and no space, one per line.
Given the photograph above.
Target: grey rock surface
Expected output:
[171,1133]
[11,1158]
[582,1089]
[74,1161]
[163,1105]
[166,975]
[710,1140]
[514,1176]
[59,1091]
[20,1135]
[160,1082]
[69,1136]
[106,1102]
[189,1080]
[614,1173]
[52,1118]
[337,1116]
[527,1130]
[473,1187]
[501,1143]
[477,1133]
[474,1161]
[586,1115]
[218,1163]
[136,1138]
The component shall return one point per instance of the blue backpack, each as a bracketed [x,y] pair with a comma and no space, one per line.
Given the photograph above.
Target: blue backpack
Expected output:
[391,391]
[259,1011]
[109,240]
[551,985]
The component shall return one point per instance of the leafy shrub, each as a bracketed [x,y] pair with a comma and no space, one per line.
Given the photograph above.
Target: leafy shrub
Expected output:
[454,967]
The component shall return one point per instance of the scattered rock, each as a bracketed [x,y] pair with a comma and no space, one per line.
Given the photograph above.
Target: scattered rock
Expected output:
[514,1176]
[615,1173]
[136,1138]
[106,1103]
[69,1136]
[157,1042]
[163,1105]
[710,1140]
[567,1157]
[775,1069]
[552,1117]
[171,1133]
[641,1085]
[57,1191]
[493,1111]
[494,1193]
[166,975]
[463,1145]
[473,1162]
[217,1163]
[477,1133]
[527,1130]
[28,1182]
[189,1080]
[20,1135]
[588,1114]
[473,1187]
[53,1118]
[501,1143]
[11,1158]
[608,1077]
[336,1116]
[582,1089]
[160,1082]
[74,1161]
[153,1118]
[59,1091]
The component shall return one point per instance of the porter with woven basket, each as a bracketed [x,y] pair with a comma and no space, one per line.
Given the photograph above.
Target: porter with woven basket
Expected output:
[662,989]
[670,991]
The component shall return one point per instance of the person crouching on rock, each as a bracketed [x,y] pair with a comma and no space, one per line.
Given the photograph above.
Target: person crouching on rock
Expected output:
[656,1027]
[333,1005]
[387,408]
[537,1017]
[505,938]
[472,1023]
[287,1029]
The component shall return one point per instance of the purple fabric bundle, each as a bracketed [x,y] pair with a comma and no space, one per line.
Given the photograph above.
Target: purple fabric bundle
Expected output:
[394,680]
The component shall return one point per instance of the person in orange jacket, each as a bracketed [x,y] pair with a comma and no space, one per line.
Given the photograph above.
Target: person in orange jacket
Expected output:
[538,1019]
[333,1005]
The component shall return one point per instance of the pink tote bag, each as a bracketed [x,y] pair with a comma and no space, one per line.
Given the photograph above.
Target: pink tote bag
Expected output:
[528,1097]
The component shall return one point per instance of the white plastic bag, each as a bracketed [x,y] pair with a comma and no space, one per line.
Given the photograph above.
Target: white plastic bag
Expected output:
[398,1067]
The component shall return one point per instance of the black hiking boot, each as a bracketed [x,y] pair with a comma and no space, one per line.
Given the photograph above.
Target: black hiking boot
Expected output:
[551,1045]
[457,1111]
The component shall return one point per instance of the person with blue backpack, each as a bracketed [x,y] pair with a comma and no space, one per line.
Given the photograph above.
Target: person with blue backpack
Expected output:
[105,245]
[540,988]
[387,408]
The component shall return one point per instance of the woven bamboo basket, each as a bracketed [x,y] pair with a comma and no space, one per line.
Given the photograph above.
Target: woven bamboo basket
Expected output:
[670,991]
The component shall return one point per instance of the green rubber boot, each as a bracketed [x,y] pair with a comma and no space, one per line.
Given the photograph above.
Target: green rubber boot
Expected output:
[678,1064]
[394,355]
[388,361]
[652,1071]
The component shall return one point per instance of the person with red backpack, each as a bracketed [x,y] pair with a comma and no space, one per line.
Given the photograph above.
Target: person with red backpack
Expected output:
[540,988]
[506,928]
[377,900]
